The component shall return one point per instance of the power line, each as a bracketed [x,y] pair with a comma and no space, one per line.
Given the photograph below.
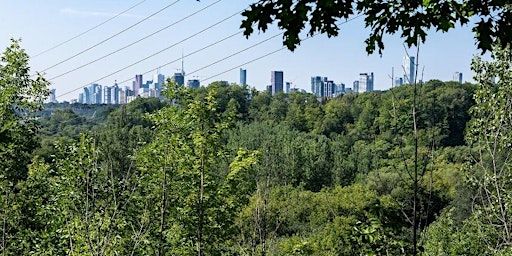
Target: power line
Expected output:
[110,37]
[154,54]
[89,30]
[190,54]
[265,55]
[138,41]
[236,53]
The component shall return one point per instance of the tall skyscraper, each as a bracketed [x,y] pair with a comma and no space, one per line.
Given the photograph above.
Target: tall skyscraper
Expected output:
[243,76]
[457,76]
[365,82]
[52,96]
[137,85]
[355,86]
[317,86]
[409,66]
[287,87]
[277,81]
[178,78]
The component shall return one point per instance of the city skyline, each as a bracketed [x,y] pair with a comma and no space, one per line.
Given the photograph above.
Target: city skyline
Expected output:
[341,58]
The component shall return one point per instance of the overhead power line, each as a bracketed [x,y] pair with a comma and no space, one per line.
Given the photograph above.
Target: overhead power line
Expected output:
[110,37]
[88,30]
[167,48]
[187,55]
[135,42]
[263,56]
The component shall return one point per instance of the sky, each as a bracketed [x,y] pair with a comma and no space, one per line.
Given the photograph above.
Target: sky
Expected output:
[117,51]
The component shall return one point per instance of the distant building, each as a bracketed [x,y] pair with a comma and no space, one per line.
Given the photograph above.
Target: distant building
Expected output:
[355,86]
[399,82]
[243,76]
[409,66]
[457,76]
[322,87]
[194,84]
[137,84]
[178,78]
[365,82]
[277,81]
[287,87]
[52,96]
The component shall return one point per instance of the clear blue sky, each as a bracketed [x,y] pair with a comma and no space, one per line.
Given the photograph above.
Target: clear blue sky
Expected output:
[44,24]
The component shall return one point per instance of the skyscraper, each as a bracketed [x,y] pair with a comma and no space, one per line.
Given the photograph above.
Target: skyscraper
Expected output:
[194,84]
[409,70]
[52,96]
[277,81]
[365,82]
[317,86]
[457,76]
[243,76]
[137,85]
[178,78]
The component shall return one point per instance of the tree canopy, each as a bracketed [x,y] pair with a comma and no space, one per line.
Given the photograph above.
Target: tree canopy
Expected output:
[411,19]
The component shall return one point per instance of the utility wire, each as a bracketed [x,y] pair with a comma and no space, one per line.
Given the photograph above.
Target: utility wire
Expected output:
[263,56]
[138,41]
[110,37]
[154,54]
[187,55]
[87,31]
[255,59]
[236,53]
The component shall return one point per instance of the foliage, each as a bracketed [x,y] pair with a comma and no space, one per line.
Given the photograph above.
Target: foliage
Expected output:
[412,19]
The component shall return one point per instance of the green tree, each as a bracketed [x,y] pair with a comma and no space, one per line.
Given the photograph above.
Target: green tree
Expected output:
[412,19]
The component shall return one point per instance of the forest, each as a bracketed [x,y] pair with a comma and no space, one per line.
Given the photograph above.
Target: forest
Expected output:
[228,170]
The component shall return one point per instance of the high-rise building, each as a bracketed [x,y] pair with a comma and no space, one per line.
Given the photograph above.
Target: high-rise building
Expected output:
[243,76]
[287,87]
[317,86]
[277,81]
[178,78]
[355,86]
[399,81]
[52,96]
[107,95]
[194,84]
[365,82]
[409,66]
[137,84]
[457,76]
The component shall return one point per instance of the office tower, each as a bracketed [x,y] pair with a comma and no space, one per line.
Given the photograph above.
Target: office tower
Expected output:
[81,98]
[137,84]
[277,81]
[365,82]
[399,81]
[288,85]
[243,76]
[457,76]
[409,67]
[158,80]
[194,84]
[317,86]
[52,96]
[178,78]
[96,94]
[107,95]
[115,93]
[356,86]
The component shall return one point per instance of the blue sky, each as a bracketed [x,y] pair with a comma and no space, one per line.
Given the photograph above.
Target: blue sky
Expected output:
[44,24]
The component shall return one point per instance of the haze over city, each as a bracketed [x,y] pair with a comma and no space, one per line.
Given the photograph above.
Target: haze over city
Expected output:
[156,34]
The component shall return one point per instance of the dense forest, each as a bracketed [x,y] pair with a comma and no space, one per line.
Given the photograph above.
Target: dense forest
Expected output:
[228,170]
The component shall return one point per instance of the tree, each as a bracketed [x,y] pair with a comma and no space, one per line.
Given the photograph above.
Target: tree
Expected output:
[412,19]
[20,97]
